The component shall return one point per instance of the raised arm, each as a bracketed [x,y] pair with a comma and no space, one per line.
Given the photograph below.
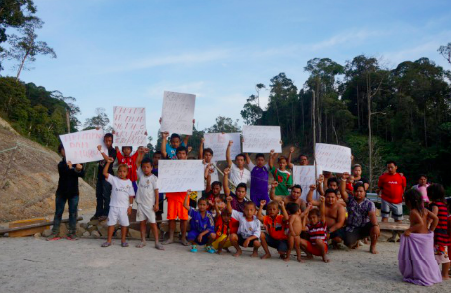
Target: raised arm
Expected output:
[310,196]
[225,182]
[290,165]
[272,157]
[248,159]
[260,210]
[163,144]
[272,192]
[229,204]
[322,209]
[201,149]
[105,157]
[141,151]
[208,178]
[284,211]
[228,158]
[320,185]
[107,165]
[343,192]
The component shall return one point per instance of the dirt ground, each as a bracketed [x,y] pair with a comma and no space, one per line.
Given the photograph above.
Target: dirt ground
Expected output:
[35,265]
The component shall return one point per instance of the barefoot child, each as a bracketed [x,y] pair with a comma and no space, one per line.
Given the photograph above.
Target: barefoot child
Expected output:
[317,229]
[416,250]
[147,199]
[121,201]
[202,225]
[276,225]
[223,230]
[295,227]
[437,205]
[249,230]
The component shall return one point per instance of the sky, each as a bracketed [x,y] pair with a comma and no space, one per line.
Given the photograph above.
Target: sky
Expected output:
[127,53]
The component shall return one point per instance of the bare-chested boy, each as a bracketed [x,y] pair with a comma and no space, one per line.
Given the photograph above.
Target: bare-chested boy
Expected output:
[295,227]
[294,197]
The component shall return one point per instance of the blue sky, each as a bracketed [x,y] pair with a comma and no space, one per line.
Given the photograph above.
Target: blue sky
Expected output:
[126,53]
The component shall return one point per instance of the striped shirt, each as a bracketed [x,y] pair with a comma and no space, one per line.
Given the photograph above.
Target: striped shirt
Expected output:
[317,231]
[441,236]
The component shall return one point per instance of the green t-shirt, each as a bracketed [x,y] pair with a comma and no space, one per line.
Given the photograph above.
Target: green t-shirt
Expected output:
[285,181]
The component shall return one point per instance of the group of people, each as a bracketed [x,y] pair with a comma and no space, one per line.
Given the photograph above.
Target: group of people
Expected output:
[246,209]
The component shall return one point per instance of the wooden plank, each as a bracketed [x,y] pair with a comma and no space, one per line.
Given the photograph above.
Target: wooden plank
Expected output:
[391,226]
[46,224]
[28,231]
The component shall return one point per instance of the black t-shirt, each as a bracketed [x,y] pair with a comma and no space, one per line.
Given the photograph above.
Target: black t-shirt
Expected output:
[68,180]
[362,180]
[112,154]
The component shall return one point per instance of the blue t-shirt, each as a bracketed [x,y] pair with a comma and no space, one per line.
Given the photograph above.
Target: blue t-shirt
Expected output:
[172,151]
[200,224]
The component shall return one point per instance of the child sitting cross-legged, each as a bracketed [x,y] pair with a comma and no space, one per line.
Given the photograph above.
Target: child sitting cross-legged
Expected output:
[249,229]
[202,225]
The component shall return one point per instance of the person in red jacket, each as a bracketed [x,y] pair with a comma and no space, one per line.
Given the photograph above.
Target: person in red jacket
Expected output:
[392,186]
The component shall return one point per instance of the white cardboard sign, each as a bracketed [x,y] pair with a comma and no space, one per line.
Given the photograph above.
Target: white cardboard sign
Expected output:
[305,176]
[129,126]
[333,158]
[261,139]
[180,175]
[218,142]
[81,147]
[178,113]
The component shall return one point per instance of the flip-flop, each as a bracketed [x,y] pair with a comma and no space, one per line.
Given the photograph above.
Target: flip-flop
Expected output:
[141,245]
[106,244]
[159,246]
[184,242]
[124,244]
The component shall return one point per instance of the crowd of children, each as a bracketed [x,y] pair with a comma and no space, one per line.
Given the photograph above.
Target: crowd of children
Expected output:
[245,210]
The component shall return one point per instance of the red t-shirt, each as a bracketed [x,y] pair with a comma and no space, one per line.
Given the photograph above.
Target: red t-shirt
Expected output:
[392,187]
[131,163]
[276,227]
[222,228]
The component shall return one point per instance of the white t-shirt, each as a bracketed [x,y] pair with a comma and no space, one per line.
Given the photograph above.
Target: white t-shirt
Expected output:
[238,176]
[120,192]
[214,176]
[246,228]
[146,189]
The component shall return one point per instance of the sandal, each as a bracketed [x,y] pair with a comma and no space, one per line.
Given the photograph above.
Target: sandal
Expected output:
[194,248]
[124,244]
[106,244]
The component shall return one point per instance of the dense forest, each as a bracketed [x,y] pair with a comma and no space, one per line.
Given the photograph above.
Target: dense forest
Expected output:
[401,113]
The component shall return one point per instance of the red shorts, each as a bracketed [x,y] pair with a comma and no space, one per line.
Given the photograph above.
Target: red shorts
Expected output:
[175,206]
[314,249]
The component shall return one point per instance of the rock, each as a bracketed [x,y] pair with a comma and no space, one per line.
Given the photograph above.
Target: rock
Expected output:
[134,234]
[63,230]
[46,233]
[77,226]
[80,232]
[102,230]
[84,226]
[93,222]
[86,234]
[103,224]
[119,234]
[95,233]
[164,227]
[37,235]
[92,228]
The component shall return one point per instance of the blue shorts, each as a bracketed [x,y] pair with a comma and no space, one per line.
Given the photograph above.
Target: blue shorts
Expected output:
[192,236]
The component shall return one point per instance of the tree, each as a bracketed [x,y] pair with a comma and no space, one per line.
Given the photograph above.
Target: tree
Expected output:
[224,124]
[445,51]
[100,120]
[25,48]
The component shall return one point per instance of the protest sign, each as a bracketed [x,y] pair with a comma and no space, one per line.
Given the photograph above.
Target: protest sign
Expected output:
[180,175]
[129,126]
[333,158]
[261,139]
[218,142]
[81,147]
[305,176]
[178,113]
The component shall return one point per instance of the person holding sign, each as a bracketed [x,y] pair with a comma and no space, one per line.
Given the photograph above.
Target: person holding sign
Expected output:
[121,201]
[67,191]
[281,175]
[303,159]
[259,178]
[130,161]
[174,142]
[238,173]
[295,195]
[207,156]
[176,199]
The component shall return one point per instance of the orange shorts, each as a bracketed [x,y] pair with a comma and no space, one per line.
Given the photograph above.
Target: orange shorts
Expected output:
[175,206]
[313,249]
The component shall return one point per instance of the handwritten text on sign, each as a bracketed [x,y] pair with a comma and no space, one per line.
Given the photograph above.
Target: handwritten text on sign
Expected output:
[261,139]
[333,158]
[81,147]
[178,113]
[305,176]
[180,175]
[130,126]
[218,142]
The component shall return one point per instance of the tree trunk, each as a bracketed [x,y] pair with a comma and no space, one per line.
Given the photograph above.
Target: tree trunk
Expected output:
[370,146]
[21,65]
[425,127]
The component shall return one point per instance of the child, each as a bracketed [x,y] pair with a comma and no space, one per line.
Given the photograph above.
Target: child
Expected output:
[121,201]
[223,230]
[170,148]
[249,230]
[202,225]
[207,156]
[295,227]
[147,199]
[155,158]
[130,161]
[275,225]
[103,188]
[238,173]
[436,194]
[176,200]
[281,175]
[259,178]
[317,230]
[415,257]
[67,191]
[239,198]
[422,187]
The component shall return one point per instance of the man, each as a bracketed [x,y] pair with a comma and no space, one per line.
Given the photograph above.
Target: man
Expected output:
[295,195]
[103,188]
[303,159]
